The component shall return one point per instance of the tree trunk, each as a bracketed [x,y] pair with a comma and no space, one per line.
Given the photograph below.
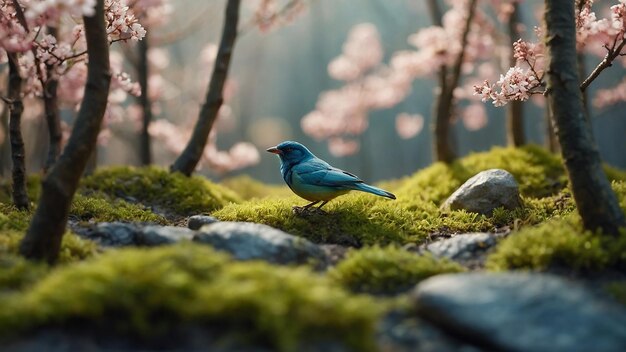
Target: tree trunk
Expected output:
[444,104]
[51,108]
[43,238]
[442,133]
[5,147]
[596,202]
[145,154]
[582,73]
[188,160]
[551,142]
[515,112]
[16,107]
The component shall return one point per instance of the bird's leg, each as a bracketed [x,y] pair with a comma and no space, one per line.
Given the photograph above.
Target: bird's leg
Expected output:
[319,208]
[311,204]
[299,210]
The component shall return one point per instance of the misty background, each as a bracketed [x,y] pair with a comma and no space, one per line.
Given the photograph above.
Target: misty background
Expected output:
[280,74]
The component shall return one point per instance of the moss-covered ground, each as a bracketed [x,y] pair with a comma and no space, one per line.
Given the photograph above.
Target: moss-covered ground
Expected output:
[157,187]
[141,292]
[147,292]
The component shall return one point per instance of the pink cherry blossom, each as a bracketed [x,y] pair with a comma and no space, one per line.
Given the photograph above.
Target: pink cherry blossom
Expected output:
[341,147]
[474,116]
[409,126]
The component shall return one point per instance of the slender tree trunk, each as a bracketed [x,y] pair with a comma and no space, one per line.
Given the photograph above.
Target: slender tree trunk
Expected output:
[145,154]
[43,238]
[16,107]
[442,133]
[551,142]
[188,160]
[595,200]
[582,73]
[515,112]
[5,146]
[51,107]
[444,104]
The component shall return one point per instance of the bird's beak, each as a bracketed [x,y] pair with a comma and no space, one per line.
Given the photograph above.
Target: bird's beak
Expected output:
[274,150]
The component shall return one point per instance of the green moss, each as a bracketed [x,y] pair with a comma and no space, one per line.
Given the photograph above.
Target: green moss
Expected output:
[101,209]
[561,241]
[149,292]
[17,273]
[538,173]
[352,219]
[13,219]
[557,243]
[157,187]
[73,248]
[384,270]
[247,188]
[364,219]
[33,189]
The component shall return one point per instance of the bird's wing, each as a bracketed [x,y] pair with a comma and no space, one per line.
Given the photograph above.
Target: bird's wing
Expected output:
[318,172]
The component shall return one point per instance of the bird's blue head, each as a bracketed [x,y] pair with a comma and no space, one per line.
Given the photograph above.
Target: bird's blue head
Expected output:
[291,152]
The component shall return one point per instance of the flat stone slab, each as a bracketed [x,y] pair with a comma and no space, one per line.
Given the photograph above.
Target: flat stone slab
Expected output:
[462,247]
[249,241]
[522,312]
[120,234]
[159,235]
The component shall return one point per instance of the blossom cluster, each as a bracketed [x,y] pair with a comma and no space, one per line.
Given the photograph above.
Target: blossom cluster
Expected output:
[121,22]
[13,36]
[604,37]
[342,114]
[270,14]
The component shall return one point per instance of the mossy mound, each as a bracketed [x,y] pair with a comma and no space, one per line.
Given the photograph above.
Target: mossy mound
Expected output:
[561,243]
[141,292]
[248,188]
[353,219]
[388,270]
[364,219]
[99,208]
[555,244]
[17,273]
[154,186]
[538,173]
[73,248]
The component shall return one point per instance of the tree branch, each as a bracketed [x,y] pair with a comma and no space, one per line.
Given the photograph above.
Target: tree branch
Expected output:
[611,55]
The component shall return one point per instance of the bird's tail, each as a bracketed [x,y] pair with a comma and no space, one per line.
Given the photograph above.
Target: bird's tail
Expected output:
[374,190]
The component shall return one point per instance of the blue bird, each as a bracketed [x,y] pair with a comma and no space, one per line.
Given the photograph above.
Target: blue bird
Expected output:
[314,179]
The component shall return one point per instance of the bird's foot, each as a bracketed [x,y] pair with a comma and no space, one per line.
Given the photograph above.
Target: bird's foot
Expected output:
[302,211]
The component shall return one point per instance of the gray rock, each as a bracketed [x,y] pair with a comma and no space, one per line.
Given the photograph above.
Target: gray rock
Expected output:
[159,235]
[522,312]
[401,332]
[462,247]
[195,222]
[485,192]
[120,234]
[112,234]
[249,241]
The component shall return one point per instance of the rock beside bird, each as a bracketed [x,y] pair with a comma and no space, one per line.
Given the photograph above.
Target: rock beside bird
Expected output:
[485,192]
